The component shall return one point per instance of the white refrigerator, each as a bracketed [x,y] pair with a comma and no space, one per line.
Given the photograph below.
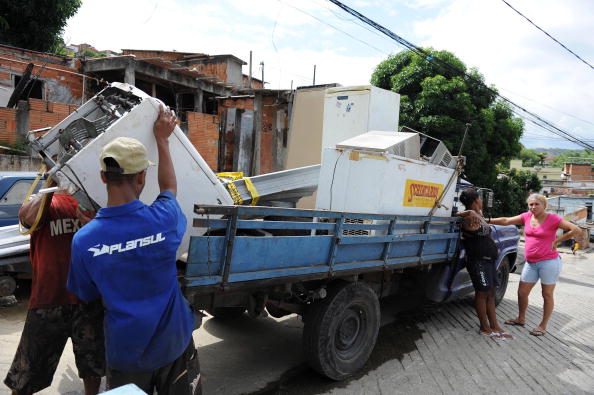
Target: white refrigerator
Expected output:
[351,111]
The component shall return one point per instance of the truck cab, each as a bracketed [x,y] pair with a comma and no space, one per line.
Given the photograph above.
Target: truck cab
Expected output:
[452,281]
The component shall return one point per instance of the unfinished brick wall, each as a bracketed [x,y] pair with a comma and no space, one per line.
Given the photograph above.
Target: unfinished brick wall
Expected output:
[166,55]
[60,83]
[203,132]
[256,84]
[267,135]
[44,113]
[218,70]
[578,171]
[246,103]
[7,125]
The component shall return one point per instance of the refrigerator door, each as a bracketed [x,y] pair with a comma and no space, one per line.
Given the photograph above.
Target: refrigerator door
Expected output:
[346,114]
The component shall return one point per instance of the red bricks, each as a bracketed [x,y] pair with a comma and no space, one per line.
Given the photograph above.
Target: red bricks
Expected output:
[256,84]
[165,55]
[203,132]
[578,171]
[62,74]
[7,125]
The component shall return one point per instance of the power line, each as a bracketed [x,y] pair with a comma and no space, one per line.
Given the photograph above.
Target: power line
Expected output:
[547,106]
[551,37]
[334,27]
[530,116]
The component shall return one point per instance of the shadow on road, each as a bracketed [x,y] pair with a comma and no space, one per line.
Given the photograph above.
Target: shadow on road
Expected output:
[396,338]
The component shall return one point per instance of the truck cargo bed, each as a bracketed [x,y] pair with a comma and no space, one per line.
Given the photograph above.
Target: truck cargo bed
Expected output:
[262,244]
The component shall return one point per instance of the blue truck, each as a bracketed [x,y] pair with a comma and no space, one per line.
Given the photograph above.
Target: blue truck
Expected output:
[329,267]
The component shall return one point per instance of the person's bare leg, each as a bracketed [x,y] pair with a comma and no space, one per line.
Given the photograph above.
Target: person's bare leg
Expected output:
[492,315]
[548,305]
[523,292]
[92,385]
[480,305]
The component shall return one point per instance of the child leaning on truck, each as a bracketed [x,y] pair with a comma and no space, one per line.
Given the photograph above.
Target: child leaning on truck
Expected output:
[126,256]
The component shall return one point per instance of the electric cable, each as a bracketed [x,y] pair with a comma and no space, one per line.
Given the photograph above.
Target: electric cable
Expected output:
[81,186]
[334,27]
[423,53]
[548,35]
[547,106]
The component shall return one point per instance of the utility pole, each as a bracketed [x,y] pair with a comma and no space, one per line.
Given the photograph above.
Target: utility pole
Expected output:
[314,76]
[250,75]
[262,65]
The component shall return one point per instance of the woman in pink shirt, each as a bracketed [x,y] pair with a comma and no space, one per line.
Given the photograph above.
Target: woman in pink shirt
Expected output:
[542,259]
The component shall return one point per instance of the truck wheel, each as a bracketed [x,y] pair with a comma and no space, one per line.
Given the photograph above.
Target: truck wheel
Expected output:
[340,330]
[502,280]
[226,313]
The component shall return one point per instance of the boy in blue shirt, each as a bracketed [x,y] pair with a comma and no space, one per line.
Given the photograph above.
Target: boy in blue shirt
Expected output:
[126,256]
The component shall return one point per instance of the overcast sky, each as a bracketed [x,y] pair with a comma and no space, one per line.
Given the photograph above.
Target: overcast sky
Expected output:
[290,37]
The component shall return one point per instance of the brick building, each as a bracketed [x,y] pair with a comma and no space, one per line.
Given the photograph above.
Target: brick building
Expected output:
[578,172]
[233,126]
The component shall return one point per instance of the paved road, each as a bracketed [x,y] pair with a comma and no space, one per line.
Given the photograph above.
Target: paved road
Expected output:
[430,350]
[433,352]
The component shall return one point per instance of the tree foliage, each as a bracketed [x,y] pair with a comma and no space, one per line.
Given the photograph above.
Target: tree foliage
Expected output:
[531,157]
[35,24]
[511,190]
[585,156]
[439,101]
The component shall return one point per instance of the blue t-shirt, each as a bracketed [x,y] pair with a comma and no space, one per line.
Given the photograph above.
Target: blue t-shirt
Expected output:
[126,256]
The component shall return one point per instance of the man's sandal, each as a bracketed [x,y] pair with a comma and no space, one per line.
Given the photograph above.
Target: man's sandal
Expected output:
[514,322]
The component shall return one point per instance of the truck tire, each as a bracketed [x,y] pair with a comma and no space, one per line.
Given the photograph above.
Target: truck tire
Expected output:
[226,313]
[340,330]
[502,280]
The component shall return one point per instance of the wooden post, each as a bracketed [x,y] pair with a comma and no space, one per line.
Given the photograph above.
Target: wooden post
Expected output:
[250,75]
[198,100]
[129,73]
[257,134]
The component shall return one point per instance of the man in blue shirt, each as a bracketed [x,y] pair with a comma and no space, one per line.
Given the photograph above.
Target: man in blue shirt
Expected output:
[126,256]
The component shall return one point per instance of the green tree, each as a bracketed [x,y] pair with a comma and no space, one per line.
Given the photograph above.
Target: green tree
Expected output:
[35,24]
[585,156]
[511,190]
[439,101]
[530,157]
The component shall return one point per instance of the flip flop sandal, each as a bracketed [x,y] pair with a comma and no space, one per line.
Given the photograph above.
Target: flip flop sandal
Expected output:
[505,336]
[537,332]
[490,334]
[514,323]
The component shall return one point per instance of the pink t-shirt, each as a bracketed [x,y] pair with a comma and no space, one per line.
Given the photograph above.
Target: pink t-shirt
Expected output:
[539,240]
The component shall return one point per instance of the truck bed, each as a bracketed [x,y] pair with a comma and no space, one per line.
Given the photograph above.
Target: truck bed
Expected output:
[251,245]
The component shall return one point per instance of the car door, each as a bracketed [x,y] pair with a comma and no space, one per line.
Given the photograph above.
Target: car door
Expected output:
[12,199]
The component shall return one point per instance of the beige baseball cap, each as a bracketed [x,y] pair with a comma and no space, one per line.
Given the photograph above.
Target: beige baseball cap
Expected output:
[129,153]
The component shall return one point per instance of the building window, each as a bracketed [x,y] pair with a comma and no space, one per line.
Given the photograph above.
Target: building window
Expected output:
[33,90]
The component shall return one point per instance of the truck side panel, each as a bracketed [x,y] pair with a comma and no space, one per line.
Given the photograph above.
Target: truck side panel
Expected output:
[230,258]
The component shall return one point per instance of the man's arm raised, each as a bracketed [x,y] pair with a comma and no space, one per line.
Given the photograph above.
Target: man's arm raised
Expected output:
[162,129]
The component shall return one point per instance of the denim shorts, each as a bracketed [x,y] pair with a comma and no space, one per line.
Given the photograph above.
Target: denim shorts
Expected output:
[548,271]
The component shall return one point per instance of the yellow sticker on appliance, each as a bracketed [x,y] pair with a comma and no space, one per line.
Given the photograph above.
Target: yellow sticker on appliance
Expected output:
[421,194]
